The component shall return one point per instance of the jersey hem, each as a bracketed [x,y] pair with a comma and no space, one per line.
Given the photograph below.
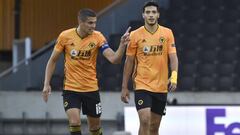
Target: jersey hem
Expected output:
[80,90]
[147,89]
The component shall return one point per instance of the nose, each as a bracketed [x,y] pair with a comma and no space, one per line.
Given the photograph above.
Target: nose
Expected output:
[151,14]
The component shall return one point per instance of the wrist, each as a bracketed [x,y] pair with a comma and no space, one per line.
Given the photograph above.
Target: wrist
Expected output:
[46,84]
[124,87]
[121,45]
[174,76]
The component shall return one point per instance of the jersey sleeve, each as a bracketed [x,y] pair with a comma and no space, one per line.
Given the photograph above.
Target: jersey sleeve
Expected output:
[171,43]
[103,45]
[59,46]
[101,40]
[132,46]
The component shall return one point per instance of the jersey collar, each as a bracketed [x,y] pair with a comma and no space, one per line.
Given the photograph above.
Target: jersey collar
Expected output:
[152,32]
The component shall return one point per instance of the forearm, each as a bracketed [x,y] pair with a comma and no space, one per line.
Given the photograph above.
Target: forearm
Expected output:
[119,53]
[174,68]
[174,64]
[127,72]
[49,71]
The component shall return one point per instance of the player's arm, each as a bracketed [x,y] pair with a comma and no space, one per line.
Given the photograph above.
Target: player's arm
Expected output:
[48,74]
[174,71]
[128,68]
[116,57]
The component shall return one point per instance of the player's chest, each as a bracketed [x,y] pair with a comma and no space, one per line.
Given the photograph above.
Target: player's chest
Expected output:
[81,49]
[152,45]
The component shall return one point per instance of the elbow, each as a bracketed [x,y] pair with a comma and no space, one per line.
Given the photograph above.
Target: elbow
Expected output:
[115,60]
[51,61]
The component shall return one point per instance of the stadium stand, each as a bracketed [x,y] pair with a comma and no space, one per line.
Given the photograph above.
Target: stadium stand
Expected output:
[207,37]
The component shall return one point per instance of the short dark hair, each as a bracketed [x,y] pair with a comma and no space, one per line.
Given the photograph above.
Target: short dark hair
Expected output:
[86,12]
[150,3]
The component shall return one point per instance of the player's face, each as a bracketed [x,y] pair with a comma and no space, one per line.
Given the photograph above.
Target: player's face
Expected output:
[151,15]
[89,25]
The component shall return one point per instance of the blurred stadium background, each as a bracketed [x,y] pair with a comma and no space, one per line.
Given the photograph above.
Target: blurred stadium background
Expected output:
[207,34]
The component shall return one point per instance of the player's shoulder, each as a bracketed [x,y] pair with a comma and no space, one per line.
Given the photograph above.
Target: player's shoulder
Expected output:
[68,32]
[137,31]
[164,28]
[97,33]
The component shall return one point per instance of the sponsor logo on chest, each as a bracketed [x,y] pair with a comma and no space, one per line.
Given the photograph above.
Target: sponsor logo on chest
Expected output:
[150,50]
[83,54]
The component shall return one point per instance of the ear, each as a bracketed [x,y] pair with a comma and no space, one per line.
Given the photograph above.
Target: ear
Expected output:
[143,16]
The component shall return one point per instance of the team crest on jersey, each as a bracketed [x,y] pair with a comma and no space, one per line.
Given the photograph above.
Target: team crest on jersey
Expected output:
[74,52]
[162,40]
[91,45]
[146,49]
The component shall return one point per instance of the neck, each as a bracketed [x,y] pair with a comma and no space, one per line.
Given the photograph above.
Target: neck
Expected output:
[151,28]
[81,33]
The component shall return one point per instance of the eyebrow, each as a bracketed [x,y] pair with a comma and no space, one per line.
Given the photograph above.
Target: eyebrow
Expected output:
[150,10]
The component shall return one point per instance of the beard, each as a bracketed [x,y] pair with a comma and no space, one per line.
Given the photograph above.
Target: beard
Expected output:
[151,23]
[89,32]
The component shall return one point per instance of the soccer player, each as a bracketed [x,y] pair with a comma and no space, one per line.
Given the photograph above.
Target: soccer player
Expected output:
[80,47]
[148,52]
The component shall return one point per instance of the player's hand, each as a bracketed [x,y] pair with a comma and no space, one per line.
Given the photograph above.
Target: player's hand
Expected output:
[171,86]
[125,96]
[172,82]
[46,92]
[125,38]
